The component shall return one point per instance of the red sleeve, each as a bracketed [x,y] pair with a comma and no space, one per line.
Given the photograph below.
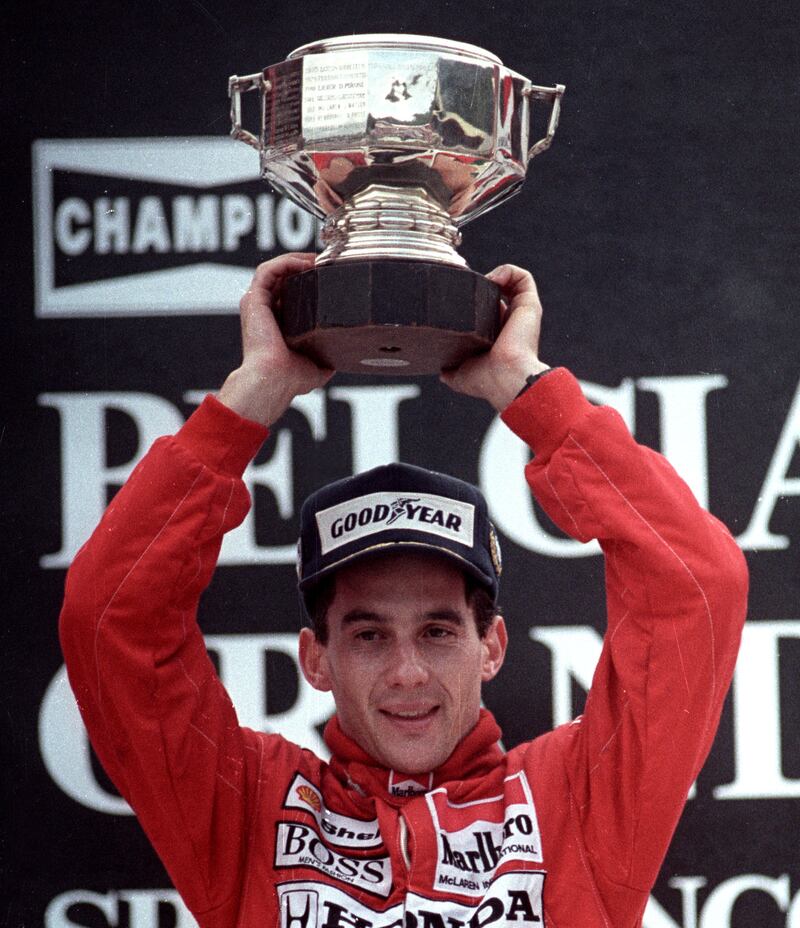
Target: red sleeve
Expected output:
[676,586]
[156,712]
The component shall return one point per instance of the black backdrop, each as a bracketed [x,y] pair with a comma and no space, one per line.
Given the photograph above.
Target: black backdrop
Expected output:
[662,228]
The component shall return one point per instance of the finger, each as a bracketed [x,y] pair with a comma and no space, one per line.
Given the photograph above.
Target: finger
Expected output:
[457,378]
[516,283]
[259,327]
[257,320]
[323,375]
[270,273]
[504,312]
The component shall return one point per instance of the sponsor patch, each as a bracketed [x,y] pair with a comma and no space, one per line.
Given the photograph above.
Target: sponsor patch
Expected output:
[309,796]
[475,839]
[300,845]
[341,830]
[299,908]
[411,786]
[377,512]
[154,226]
[513,899]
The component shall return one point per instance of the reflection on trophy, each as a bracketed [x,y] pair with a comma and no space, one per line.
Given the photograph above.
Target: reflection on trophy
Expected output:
[394,141]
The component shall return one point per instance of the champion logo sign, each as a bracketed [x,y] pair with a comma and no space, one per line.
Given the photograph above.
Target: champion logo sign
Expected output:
[377,512]
[476,839]
[154,226]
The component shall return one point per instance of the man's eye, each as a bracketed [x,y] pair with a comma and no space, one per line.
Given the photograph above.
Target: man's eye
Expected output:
[439,631]
[367,634]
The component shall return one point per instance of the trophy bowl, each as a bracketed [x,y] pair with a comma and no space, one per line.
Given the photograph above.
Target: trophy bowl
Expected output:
[394,142]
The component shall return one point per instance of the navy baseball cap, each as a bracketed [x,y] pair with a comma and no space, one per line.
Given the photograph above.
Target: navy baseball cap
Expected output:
[396,508]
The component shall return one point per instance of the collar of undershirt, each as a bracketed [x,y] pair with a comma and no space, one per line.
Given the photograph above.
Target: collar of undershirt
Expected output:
[477,754]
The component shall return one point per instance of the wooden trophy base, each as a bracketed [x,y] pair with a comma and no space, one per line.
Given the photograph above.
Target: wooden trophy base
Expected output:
[389,316]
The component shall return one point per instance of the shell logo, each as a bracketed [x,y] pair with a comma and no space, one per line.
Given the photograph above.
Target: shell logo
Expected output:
[309,797]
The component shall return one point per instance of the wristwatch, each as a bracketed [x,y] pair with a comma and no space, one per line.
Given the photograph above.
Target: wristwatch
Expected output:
[531,379]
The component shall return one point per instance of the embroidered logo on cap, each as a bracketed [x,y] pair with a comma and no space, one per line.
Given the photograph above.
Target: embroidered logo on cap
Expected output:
[494,551]
[376,512]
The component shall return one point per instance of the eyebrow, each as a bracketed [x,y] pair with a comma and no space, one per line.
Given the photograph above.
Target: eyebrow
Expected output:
[435,615]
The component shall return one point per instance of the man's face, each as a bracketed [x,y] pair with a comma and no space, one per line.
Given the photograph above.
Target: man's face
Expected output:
[403,659]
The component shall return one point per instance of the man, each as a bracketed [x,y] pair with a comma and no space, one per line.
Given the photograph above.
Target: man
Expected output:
[419,820]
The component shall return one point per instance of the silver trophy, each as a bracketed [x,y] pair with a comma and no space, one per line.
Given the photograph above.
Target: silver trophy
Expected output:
[394,141]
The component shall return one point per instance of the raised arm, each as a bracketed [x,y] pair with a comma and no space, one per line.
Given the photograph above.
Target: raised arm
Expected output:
[676,586]
[155,710]
[270,375]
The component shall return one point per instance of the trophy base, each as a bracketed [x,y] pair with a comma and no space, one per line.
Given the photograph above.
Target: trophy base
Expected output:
[389,316]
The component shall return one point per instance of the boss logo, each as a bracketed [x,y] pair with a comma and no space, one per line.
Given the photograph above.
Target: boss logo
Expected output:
[376,512]
[299,845]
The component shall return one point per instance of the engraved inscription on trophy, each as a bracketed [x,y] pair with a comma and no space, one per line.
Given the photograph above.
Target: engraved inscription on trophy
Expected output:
[394,142]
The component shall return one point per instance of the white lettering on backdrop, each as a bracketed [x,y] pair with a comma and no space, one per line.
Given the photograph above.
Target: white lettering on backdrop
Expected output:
[86,474]
[574,651]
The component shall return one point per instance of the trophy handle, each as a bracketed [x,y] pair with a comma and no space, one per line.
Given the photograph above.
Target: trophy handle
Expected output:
[553,95]
[236,87]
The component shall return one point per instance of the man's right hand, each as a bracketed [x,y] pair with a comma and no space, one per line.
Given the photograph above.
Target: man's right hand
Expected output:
[271,375]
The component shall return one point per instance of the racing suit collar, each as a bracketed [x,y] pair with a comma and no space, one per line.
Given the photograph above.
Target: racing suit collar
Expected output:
[474,756]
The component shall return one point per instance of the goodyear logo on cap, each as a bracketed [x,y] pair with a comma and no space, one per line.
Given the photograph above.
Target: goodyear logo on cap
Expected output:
[376,512]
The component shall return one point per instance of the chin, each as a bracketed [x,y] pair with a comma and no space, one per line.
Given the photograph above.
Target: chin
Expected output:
[414,761]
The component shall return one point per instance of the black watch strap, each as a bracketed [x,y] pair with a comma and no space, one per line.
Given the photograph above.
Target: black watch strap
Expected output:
[531,379]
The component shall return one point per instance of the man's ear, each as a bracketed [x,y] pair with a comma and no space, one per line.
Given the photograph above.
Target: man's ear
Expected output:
[314,661]
[494,644]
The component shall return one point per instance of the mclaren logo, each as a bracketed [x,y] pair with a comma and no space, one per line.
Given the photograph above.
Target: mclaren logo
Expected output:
[154,226]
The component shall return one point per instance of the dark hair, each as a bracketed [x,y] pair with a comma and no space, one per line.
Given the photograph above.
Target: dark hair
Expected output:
[478,599]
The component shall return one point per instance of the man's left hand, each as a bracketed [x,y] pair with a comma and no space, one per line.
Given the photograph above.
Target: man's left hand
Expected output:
[499,375]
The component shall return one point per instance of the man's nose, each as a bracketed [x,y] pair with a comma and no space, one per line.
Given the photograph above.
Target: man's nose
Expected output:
[406,666]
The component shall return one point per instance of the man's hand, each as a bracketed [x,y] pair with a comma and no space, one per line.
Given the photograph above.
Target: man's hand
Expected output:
[271,374]
[499,375]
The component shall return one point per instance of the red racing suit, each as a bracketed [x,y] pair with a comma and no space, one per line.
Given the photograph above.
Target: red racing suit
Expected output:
[566,831]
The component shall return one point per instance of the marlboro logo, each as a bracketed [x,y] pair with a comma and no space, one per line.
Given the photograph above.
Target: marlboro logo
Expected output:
[409,785]
[154,226]
[477,839]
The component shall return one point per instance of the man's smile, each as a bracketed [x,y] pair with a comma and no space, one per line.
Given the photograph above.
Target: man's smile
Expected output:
[412,720]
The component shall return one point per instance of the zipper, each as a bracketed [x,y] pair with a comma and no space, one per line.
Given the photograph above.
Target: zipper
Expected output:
[404,842]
